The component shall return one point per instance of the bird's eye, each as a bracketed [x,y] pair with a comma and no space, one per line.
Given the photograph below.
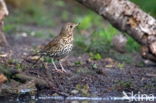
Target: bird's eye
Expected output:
[71,26]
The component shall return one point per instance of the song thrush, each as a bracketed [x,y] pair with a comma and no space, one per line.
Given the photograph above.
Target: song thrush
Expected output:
[60,46]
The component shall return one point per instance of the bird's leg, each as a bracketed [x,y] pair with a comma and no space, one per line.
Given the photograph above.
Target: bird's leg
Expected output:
[62,68]
[55,66]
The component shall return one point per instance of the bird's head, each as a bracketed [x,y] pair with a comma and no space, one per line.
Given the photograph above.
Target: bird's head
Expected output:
[68,28]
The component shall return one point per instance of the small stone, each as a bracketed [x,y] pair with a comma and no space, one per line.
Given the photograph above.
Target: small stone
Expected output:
[74,91]
[24,34]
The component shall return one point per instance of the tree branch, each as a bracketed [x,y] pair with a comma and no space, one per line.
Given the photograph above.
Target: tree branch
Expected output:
[127,17]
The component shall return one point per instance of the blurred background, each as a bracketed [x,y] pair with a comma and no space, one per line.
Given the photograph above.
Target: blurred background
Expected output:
[43,18]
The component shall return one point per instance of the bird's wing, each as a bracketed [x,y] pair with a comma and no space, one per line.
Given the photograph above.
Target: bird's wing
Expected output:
[51,47]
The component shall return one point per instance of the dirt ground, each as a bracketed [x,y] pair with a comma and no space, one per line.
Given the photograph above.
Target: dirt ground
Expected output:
[85,77]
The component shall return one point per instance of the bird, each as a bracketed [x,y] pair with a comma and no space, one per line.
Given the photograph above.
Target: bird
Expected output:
[59,47]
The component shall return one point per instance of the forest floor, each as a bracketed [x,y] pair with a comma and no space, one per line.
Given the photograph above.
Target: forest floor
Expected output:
[94,68]
[85,76]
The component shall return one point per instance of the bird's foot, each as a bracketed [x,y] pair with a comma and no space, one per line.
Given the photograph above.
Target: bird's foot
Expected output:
[58,70]
[63,70]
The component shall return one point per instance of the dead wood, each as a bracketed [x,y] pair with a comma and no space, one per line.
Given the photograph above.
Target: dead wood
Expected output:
[129,18]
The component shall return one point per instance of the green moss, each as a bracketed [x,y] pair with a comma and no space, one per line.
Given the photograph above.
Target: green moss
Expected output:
[121,65]
[77,63]
[96,56]
[132,45]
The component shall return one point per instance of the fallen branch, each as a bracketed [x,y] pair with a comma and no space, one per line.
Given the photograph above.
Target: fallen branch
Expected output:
[129,18]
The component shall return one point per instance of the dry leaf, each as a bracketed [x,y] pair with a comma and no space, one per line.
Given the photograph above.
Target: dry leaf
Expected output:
[3,78]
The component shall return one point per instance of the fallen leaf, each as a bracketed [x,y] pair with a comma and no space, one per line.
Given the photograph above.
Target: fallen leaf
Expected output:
[3,78]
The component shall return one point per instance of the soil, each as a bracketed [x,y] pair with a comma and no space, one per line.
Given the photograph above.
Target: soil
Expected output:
[85,76]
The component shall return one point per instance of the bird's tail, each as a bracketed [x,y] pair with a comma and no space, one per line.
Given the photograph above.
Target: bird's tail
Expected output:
[33,58]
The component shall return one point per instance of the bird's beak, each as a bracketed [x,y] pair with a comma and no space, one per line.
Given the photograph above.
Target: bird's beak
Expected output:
[77,24]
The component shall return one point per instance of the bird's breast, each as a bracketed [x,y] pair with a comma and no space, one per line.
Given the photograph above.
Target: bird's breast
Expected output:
[67,48]
[64,51]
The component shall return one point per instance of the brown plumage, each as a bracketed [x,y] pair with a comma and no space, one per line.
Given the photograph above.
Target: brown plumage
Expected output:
[61,45]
